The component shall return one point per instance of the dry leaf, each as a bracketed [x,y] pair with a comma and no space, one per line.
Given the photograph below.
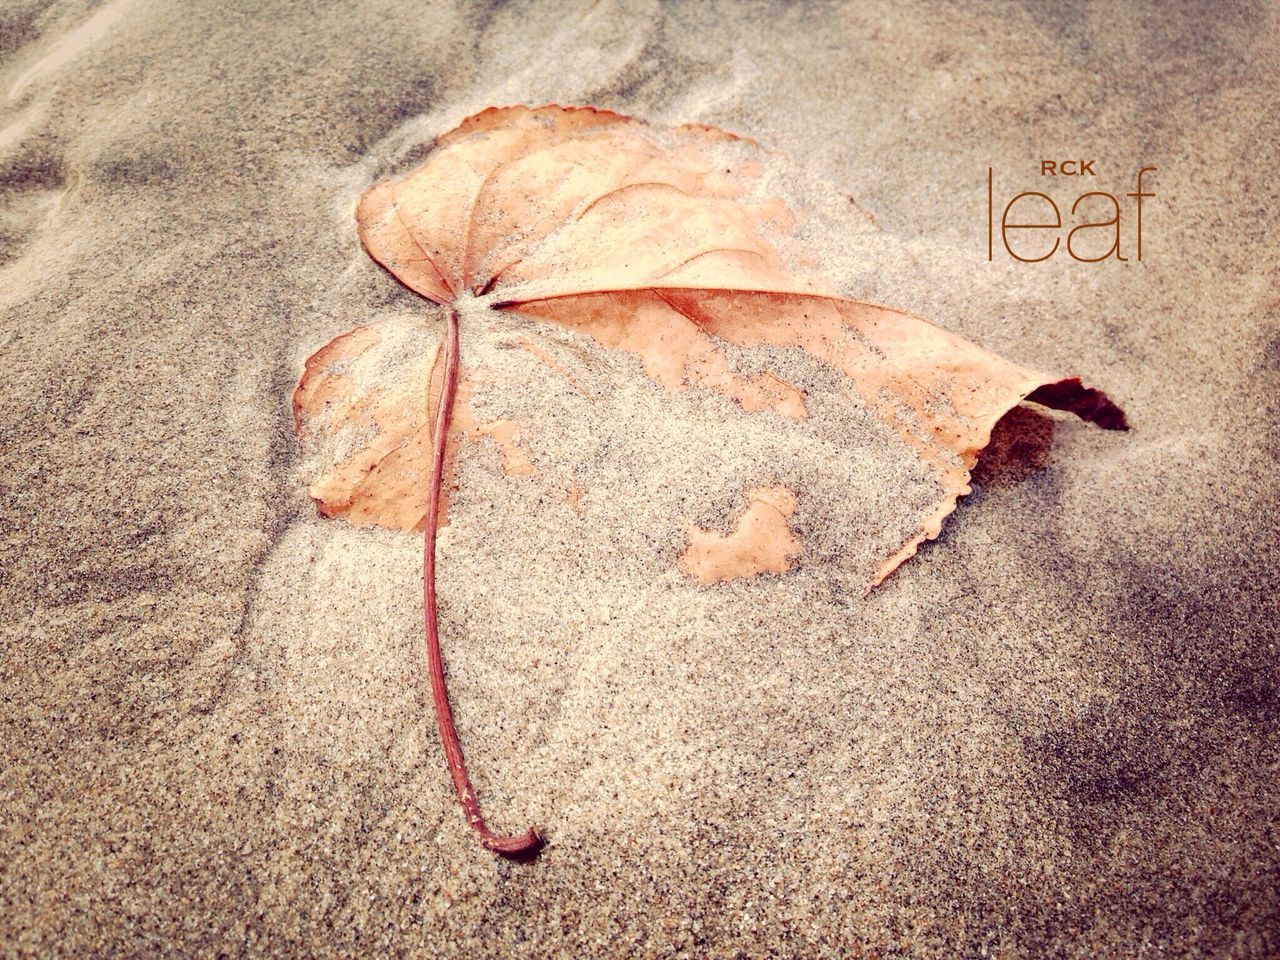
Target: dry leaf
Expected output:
[660,243]
[653,242]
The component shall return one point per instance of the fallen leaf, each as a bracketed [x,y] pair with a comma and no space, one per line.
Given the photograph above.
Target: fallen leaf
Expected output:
[662,244]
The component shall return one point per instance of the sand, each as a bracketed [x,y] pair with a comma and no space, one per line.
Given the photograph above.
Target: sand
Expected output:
[1052,732]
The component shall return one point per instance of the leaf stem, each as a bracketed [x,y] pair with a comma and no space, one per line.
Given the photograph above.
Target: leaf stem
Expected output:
[528,843]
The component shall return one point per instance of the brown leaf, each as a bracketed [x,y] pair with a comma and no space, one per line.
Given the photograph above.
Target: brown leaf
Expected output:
[657,242]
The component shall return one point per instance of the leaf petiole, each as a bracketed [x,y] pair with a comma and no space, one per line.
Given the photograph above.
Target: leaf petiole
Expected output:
[527,844]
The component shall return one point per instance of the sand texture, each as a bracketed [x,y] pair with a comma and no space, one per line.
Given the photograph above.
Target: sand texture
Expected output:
[1052,732]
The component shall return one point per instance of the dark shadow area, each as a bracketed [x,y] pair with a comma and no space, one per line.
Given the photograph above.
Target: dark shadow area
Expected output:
[1019,447]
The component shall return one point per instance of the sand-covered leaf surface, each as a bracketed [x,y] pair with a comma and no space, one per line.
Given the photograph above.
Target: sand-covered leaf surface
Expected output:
[1053,731]
[662,244]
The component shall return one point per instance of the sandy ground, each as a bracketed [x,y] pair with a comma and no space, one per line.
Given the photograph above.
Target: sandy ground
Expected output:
[1053,732]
